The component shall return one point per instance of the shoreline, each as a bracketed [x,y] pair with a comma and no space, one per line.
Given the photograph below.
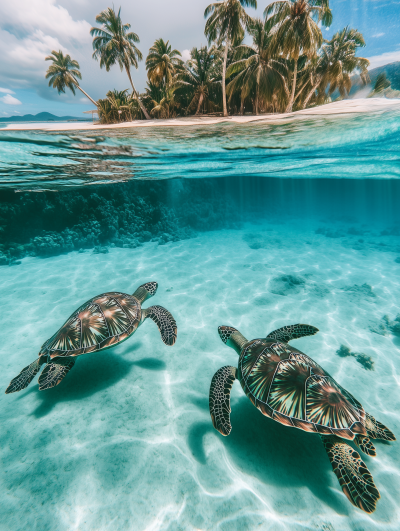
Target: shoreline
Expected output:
[356,106]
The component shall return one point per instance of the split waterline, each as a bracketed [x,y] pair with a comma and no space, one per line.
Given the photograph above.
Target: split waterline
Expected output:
[250,225]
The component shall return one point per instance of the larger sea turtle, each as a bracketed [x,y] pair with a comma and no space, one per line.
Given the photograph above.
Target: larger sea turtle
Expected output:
[291,388]
[100,323]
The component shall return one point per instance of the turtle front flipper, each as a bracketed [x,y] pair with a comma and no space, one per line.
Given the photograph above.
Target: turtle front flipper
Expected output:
[25,377]
[165,322]
[287,333]
[54,372]
[353,475]
[219,401]
[365,445]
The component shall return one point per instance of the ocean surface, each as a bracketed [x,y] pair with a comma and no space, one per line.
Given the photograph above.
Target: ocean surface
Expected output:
[254,226]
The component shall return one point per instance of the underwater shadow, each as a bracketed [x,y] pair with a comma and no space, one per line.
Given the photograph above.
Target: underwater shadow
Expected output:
[396,341]
[91,374]
[275,454]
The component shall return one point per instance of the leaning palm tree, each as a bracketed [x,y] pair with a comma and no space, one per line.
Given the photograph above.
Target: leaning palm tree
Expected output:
[228,21]
[64,73]
[113,43]
[162,63]
[258,71]
[295,24]
[340,61]
[200,78]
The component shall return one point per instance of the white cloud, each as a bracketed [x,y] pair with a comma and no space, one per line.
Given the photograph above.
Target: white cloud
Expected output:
[10,100]
[378,35]
[29,31]
[45,15]
[384,59]
[7,91]
[185,55]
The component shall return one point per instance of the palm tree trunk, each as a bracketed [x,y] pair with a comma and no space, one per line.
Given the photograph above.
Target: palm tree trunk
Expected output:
[309,95]
[290,104]
[142,107]
[200,102]
[241,106]
[225,112]
[85,93]
[257,91]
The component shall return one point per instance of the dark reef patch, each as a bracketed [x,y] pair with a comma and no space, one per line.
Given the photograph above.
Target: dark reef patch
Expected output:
[287,285]
[366,361]
[364,290]
[122,215]
[386,326]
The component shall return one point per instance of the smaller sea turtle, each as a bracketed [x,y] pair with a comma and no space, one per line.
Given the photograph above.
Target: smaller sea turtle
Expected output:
[291,388]
[100,323]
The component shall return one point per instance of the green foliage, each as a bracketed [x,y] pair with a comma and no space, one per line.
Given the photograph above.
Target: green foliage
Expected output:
[118,106]
[200,81]
[339,61]
[113,43]
[63,73]
[259,71]
[162,63]
[288,65]
[381,83]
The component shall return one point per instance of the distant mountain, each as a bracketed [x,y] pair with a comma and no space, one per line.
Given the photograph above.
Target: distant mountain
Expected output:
[41,117]
[392,71]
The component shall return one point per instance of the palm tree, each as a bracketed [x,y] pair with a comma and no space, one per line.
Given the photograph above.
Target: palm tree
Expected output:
[340,61]
[310,79]
[227,22]
[295,24]
[118,106]
[258,72]
[64,73]
[200,77]
[162,63]
[113,43]
[381,84]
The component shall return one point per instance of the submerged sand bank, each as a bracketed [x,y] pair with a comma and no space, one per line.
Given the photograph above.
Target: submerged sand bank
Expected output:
[341,107]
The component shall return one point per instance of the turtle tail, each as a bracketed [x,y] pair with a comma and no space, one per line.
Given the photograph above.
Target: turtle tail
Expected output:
[25,377]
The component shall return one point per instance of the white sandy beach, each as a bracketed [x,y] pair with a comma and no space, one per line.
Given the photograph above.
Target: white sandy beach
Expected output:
[362,105]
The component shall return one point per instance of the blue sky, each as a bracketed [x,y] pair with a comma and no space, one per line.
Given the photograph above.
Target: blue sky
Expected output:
[30,29]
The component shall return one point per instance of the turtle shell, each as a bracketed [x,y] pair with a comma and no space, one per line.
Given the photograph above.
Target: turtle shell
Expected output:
[98,324]
[291,388]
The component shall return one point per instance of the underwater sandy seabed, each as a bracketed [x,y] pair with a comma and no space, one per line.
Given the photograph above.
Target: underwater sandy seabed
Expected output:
[126,440]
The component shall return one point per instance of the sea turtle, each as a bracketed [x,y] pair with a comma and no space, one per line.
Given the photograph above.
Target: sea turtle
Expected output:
[291,388]
[100,323]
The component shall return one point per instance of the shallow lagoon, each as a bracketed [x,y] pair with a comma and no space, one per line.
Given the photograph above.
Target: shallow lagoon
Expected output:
[126,440]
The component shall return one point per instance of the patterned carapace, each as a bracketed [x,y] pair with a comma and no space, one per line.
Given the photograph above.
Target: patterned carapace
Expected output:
[288,386]
[99,323]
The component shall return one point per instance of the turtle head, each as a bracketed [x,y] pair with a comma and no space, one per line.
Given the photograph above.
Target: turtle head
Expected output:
[145,291]
[232,337]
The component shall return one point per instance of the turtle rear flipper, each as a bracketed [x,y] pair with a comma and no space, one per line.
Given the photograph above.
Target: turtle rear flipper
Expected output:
[219,401]
[377,430]
[54,372]
[353,475]
[25,377]
[365,445]
[165,322]
[287,333]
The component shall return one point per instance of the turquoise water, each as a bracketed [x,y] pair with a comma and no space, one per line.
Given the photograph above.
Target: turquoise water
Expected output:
[252,226]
